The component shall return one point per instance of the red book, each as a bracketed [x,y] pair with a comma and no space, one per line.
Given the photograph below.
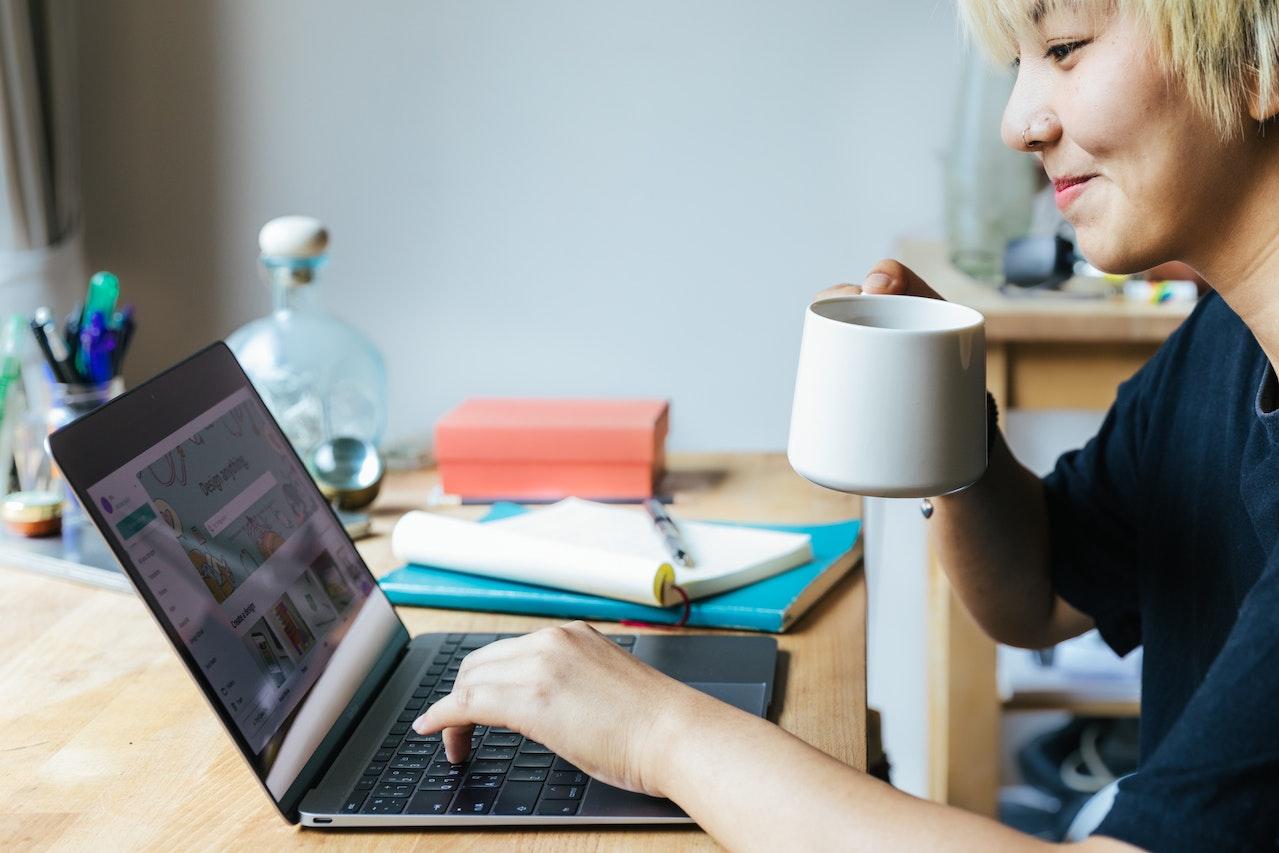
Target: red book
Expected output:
[531,449]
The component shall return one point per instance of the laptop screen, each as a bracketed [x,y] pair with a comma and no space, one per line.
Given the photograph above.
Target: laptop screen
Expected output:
[254,576]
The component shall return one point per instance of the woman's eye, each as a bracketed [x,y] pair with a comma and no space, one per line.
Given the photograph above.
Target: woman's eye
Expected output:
[1059,52]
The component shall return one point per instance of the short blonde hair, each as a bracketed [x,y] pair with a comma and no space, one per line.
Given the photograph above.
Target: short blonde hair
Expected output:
[1224,51]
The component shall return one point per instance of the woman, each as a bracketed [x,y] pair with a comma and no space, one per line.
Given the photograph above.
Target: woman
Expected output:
[1154,120]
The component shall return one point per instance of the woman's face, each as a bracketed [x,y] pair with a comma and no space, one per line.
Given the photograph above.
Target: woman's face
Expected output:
[1092,101]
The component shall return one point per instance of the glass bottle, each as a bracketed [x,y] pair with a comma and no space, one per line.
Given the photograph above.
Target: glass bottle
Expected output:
[990,188]
[320,377]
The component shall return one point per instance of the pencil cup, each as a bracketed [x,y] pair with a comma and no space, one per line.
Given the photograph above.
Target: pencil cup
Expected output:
[890,396]
[67,403]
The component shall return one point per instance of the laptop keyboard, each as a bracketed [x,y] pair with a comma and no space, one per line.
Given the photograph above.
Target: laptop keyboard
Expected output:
[506,773]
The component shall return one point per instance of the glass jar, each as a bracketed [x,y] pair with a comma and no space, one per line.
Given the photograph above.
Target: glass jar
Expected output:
[320,377]
[68,403]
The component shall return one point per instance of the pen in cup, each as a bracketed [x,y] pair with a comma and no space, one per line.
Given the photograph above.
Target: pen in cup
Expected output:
[669,532]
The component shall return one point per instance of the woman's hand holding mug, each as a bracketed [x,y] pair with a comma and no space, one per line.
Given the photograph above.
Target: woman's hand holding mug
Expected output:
[890,394]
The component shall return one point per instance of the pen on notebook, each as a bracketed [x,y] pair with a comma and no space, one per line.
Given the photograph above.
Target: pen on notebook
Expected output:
[669,532]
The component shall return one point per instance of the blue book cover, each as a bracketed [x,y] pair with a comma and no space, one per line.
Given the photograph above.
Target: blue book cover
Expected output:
[772,604]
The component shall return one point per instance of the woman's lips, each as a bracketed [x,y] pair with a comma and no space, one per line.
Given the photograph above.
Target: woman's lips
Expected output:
[1069,189]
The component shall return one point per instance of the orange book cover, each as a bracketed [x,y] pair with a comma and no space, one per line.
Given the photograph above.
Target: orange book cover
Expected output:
[523,448]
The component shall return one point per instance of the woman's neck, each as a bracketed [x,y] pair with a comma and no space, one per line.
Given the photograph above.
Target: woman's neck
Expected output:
[1243,264]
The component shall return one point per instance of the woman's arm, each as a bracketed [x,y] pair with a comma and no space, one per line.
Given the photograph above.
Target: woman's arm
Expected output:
[748,783]
[992,538]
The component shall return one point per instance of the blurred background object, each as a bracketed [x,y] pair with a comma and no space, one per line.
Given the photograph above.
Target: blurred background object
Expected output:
[990,188]
[39,153]
[321,377]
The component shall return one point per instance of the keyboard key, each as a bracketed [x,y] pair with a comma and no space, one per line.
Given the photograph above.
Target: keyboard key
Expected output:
[440,783]
[443,768]
[474,641]
[414,737]
[483,780]
[567,777]
[384,755]
[385,805]
[366,784]
[434,670]
[527,774]
[561,764]
[499,739]
[421,693]
[438,695]
[558,807]
[473,801]
[479,730]
[489,766]
[562,792]
[517,798]
[423,750]
[455,638]
[385,790]
[430,802]
[414,704]
[534,760]
[353,803]
[403,777]
[533,746]
[408,716]
[441,660]
[411,762]
[399,728]
[375,768]
[391,742]
[494,753]
[503,731]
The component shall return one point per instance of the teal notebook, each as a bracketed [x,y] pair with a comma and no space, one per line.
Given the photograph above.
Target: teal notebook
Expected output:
[772,604]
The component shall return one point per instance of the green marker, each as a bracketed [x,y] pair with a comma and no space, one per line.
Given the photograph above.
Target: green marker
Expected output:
[104,290]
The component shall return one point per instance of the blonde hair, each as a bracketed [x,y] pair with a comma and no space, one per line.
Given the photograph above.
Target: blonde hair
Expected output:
[1224,51]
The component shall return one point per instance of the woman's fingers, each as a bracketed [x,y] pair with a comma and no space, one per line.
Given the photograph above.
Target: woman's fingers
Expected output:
[888,277]
[839,290]
[894,277]
[457,743]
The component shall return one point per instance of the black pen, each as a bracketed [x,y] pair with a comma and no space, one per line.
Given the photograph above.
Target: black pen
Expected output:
[50,343]
[669,532]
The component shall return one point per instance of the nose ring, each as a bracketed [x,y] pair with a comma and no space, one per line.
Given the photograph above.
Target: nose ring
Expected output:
[1025,141]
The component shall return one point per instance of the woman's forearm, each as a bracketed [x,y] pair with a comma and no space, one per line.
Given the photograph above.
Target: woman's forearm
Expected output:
[753,786]
[992,541]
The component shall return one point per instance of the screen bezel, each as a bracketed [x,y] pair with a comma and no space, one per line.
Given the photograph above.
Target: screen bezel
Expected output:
[100,442]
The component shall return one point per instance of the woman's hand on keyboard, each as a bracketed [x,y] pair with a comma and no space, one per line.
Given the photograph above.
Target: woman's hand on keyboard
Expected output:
[578,693]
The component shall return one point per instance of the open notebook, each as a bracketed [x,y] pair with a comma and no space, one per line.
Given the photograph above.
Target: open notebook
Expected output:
[602,550]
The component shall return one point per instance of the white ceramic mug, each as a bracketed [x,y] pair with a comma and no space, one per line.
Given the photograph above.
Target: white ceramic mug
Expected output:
[890,396]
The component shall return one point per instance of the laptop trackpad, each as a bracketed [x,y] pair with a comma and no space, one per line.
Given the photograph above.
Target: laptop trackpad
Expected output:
[604,800]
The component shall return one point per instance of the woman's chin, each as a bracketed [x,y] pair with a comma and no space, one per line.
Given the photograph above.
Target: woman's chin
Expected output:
[1110,258]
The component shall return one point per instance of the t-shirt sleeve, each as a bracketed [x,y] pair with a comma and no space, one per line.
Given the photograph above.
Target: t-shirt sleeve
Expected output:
[1093,499]
[1213,781]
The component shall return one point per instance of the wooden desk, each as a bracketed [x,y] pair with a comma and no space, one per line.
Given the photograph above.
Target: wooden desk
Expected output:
[1041,353]
[104,739]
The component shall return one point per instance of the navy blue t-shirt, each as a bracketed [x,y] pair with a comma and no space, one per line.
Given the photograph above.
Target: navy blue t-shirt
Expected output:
[1164,529]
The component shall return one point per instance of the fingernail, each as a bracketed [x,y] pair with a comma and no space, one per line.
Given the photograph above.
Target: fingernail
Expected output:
[876,281]
[419,725]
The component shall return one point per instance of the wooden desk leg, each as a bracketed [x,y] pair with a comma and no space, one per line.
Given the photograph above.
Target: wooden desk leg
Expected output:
[964,708]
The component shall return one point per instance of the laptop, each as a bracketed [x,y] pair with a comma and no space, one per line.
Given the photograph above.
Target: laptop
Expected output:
[265,599]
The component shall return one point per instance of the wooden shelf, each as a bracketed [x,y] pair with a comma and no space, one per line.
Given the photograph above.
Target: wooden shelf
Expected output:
[1075,703]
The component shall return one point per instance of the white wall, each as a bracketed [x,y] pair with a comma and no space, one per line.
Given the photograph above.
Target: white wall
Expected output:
[538,197]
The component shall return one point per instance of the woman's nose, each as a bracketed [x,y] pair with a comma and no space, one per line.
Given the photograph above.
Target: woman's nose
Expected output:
[1028,124]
